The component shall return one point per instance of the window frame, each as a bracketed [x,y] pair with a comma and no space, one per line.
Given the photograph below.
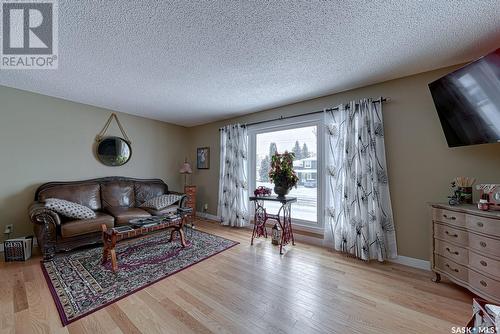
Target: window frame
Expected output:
[287,124]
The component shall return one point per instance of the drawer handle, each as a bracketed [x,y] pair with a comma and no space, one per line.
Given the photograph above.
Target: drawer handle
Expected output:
[455,270]
[480,224]
[483,244]
[483,263]
[483,283]
[451,235]
[449,217]
[449,251]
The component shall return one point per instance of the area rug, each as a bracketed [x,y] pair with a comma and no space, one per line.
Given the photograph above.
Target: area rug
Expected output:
[80,284]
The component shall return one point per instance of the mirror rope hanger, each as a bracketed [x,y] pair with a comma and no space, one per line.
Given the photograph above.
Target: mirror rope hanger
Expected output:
[100,135]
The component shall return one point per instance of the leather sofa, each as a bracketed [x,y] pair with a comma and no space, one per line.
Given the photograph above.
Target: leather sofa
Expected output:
[115,200]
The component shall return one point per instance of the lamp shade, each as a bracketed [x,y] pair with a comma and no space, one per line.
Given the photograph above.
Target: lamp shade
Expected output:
[186,169]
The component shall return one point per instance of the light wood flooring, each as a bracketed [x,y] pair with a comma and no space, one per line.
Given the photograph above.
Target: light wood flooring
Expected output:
[252,289]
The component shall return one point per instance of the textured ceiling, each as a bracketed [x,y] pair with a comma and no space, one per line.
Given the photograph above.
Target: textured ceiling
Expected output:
[191,62]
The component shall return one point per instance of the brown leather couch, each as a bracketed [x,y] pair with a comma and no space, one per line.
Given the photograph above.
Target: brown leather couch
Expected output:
[116,200]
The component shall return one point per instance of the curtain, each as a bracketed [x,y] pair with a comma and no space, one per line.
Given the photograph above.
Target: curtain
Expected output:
[359,212]
[233,179]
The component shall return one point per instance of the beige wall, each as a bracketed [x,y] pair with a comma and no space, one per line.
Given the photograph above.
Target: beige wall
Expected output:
[420,164]
[44,139]
[47,139]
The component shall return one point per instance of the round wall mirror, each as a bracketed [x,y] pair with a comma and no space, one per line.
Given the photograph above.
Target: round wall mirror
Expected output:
[113,151]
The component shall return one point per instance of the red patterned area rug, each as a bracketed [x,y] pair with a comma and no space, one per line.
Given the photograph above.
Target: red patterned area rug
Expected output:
[80,285]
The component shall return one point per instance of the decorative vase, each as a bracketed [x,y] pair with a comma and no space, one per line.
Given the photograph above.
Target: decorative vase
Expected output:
[465,195]
[281,191]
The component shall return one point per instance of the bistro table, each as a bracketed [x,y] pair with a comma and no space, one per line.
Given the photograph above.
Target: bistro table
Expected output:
[283,217]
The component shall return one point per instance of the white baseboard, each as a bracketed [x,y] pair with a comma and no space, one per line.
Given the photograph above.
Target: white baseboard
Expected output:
[207,216]
[297,236]
[412,262]
[404,260]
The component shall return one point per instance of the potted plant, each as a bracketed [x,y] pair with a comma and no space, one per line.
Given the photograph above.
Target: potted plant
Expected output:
[282,174]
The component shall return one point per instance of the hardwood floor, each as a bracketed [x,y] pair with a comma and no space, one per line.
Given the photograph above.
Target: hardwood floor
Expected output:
[252,289]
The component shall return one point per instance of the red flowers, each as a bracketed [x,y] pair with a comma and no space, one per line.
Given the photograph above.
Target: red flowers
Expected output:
[282,173]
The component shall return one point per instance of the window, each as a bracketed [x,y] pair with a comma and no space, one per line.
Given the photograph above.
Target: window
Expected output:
[301,137]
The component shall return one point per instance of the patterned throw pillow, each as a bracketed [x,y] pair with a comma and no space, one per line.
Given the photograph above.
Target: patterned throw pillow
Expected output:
[161,201]
[69,209]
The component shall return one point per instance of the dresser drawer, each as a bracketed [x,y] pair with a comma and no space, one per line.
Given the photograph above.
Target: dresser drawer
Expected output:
[451,268]
[449,217]
[452,252]
[485,284]
[484,264]
[448,233]
[483,225]
[484,244]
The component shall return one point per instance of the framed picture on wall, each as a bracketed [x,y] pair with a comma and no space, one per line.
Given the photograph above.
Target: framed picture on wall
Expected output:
[203,158]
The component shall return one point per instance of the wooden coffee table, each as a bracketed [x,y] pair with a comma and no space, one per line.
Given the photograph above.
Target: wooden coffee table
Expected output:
[111,236]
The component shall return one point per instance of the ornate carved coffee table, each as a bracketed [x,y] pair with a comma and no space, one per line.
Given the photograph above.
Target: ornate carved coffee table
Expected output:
[139,227]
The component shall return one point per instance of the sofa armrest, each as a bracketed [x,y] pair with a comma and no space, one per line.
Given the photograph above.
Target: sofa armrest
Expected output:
[39,214]
[45,223]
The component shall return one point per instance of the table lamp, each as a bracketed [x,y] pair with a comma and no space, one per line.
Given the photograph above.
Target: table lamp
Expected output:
[185,169]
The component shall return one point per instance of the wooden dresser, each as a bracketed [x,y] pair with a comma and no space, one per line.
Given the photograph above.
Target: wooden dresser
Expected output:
[466,248]
[190,191]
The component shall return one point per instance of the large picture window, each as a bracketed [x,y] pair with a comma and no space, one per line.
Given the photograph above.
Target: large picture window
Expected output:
[303,139]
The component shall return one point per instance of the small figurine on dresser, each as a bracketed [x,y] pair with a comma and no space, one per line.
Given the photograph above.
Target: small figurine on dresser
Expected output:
[490,196]
[483,203]
[455,198]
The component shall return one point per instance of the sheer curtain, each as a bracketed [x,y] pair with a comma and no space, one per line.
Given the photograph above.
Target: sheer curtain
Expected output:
[233,179]
[359,212]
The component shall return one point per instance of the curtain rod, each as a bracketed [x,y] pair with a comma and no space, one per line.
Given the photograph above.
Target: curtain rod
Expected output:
[382,99]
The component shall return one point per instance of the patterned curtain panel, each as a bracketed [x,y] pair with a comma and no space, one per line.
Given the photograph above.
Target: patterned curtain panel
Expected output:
[359,212]
[233,178]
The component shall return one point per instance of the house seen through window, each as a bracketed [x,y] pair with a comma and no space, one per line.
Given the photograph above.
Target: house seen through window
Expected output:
[303,142]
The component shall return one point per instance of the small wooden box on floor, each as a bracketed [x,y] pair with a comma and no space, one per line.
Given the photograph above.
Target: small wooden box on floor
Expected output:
[466,248]
[190,191]
[481,318]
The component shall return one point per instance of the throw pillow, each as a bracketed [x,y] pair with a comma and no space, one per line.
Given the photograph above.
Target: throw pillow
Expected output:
[69,209]
[161,201]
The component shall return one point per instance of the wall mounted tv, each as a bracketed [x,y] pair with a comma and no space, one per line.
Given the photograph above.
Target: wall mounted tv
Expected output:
[468,102]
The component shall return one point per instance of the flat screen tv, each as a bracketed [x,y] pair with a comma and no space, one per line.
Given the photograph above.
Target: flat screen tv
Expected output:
[468,102]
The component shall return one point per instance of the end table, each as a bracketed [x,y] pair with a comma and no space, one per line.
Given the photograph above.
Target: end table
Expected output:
[190,192]
[283,217]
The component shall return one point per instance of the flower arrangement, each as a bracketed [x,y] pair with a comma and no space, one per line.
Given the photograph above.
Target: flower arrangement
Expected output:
[262,191]
[282,174]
